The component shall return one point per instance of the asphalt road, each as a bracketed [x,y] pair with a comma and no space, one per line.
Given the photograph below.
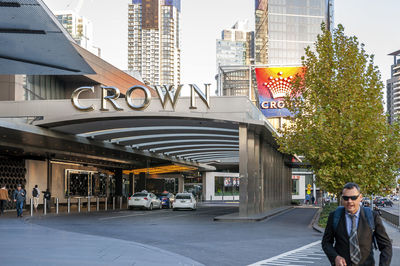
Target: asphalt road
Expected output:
[194,234]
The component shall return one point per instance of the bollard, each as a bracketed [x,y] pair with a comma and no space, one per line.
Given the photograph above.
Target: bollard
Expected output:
[106,203]
[31,206]
[79,204]
[210,197]
[127,203]
[88,204]
[56,205]
[97,204]
[68,205]
[113,203]
[45,206]
[120,203]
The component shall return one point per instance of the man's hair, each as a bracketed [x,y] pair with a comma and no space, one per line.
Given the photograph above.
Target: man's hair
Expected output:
[351,185]
[35,186]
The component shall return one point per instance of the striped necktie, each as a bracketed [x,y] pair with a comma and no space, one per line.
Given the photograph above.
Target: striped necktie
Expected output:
[355,254]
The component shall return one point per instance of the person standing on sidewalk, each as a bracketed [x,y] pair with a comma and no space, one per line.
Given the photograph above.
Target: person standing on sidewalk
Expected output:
[3,198]
[351,232]
[47,196]
[19,197]
[35,196]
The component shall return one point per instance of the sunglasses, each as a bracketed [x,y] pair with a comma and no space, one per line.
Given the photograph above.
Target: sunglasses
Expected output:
[346,198]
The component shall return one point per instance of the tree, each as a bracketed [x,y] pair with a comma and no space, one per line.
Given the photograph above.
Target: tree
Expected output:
[338,121]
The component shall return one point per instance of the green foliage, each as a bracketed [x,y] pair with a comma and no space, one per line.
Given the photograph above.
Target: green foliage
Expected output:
[326,210]
[339,123]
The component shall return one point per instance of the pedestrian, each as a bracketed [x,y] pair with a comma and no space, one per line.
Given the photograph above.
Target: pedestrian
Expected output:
[307,199]
[312,199]
[3,198]
[47,196]
[19,197]
[35,196]
[352,231]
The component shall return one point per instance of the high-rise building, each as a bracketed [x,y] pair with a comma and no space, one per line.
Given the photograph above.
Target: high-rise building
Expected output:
[154,40]
[393,88]
[235,46]
[284,28]
[80,28]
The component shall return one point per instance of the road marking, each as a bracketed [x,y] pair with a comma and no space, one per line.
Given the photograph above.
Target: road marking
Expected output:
[310,254]
[123,216]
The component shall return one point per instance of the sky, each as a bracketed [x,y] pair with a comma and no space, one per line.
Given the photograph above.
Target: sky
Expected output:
[372,21]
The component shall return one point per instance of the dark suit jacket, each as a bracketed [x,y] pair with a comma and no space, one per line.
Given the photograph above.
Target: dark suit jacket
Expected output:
[337,243]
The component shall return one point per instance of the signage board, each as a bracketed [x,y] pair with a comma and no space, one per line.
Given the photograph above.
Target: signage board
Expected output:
[273,84]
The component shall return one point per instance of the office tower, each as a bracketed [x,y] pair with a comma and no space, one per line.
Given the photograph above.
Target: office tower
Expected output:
[393,88]
[283,28]
[154,41]
[80,28]
[235,46]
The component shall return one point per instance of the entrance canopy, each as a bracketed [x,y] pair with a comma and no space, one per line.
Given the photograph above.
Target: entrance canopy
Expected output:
[199,136]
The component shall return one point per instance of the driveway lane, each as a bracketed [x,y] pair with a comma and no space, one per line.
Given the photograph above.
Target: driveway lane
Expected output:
[194,234]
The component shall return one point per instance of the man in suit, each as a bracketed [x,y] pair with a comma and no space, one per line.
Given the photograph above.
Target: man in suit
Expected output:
[351,243]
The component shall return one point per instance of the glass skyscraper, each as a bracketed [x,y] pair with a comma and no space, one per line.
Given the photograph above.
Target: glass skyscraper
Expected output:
[285,27]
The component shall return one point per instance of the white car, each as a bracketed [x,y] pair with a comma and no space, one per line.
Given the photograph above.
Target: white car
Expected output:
[184,201]
[144,200]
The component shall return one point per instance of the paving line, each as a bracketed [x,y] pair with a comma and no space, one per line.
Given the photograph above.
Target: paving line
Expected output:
[281,259]
[123,216]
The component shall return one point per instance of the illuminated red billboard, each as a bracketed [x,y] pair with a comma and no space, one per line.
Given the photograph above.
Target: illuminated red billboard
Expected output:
[273,84]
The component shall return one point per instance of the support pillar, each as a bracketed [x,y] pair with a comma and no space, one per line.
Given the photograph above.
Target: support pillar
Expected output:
[243,170]
[118,182]
[181,184]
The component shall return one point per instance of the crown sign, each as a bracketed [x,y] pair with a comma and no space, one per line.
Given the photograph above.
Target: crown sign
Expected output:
[279,87]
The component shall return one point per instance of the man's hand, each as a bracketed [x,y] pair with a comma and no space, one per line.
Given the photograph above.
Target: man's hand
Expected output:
[340,261]
[15,200]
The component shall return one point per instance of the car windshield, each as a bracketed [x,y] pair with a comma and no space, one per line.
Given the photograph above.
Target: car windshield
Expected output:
[140,194]
[182,196]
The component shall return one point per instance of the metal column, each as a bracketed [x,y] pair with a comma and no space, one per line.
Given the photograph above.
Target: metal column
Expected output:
[244,175]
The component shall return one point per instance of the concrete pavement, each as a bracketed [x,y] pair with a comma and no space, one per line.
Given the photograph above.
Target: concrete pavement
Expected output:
[25,243]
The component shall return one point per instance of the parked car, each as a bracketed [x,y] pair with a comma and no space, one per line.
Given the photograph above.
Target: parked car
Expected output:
[184,201]
[387,202]
[383,202]
[144,200]
[366,202]
[167,199]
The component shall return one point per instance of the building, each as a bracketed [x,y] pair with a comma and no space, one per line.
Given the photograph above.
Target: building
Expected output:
[285,28]
[393,88]
[235,46]
[154,40]
[80,28]
[108,135]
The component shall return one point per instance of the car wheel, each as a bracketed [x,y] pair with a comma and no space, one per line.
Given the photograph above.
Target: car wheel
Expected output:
[151,207]
[160,206]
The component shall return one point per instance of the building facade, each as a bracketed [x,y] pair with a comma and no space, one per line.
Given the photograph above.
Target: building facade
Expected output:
[154,40]
[80,28]
[285,28]
[393,88]
[236,45]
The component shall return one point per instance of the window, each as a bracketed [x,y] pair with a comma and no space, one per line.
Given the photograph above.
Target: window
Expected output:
[226,186]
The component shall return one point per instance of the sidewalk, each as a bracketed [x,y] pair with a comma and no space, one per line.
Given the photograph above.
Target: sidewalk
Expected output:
[23,242]
[393,232]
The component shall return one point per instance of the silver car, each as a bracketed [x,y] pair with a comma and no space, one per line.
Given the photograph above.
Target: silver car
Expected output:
[144,200]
